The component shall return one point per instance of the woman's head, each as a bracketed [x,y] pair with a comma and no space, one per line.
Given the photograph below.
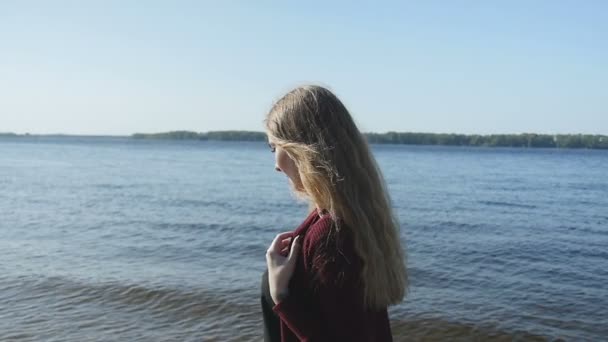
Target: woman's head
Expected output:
[306,126]
[328,161]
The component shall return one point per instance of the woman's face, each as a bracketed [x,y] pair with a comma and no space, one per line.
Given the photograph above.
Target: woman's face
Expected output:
[283,163]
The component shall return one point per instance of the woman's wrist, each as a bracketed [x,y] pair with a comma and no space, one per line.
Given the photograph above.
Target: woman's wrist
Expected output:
[279,296]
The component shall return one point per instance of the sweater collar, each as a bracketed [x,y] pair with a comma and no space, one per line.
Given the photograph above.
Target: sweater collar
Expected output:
[303,227]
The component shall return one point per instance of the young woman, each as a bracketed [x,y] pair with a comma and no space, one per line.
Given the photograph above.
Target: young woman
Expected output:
[332,278]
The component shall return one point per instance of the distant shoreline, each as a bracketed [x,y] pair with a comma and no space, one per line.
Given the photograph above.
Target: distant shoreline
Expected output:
[524,140]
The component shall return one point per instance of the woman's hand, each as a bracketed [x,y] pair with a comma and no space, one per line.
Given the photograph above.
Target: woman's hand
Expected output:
[280,268]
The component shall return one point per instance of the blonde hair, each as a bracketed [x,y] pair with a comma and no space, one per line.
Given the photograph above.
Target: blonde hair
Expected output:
[339,174]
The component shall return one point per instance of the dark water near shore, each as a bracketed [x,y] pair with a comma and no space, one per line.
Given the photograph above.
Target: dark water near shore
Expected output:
[115,239]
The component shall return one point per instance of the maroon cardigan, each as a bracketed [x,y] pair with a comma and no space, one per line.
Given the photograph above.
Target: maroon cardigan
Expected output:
[325,293]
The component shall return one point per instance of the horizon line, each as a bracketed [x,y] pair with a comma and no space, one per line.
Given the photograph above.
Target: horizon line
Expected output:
[253,131]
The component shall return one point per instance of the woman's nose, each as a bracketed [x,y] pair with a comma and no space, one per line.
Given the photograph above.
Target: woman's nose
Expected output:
[277,169]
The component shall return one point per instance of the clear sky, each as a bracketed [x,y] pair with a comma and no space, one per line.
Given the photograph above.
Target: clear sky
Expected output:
[119,67]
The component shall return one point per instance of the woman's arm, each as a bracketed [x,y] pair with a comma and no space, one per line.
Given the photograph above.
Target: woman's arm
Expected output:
[340,314]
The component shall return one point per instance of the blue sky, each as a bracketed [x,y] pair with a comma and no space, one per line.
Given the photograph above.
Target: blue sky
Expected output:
[119,67]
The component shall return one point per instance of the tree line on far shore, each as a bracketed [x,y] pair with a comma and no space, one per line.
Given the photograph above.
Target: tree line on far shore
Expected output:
[493,140]
[217,135]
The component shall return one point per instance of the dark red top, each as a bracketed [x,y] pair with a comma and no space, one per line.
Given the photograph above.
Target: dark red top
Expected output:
[325,301]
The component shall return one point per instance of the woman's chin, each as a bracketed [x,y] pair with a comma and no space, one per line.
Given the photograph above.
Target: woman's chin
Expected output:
[294,187]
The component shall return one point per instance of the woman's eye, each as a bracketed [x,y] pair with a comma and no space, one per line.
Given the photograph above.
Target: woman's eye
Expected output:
[272,148]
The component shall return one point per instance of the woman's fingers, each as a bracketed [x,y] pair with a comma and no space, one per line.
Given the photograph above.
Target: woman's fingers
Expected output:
[276,245]
[285,246]
[285,242]
[295,247]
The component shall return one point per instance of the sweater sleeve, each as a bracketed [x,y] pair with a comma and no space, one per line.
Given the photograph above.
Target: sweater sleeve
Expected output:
[340,315]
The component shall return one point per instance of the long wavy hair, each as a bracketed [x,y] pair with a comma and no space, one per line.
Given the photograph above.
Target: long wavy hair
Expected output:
[339,174]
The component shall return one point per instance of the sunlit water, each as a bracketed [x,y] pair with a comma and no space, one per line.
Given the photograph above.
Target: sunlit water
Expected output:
[127,240]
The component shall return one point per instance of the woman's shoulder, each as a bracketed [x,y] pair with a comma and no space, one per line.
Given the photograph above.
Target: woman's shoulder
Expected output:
[319,230]
[329,251]
[328,236]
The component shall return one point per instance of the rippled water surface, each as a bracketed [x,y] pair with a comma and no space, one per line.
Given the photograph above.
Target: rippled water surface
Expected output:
[113,239]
